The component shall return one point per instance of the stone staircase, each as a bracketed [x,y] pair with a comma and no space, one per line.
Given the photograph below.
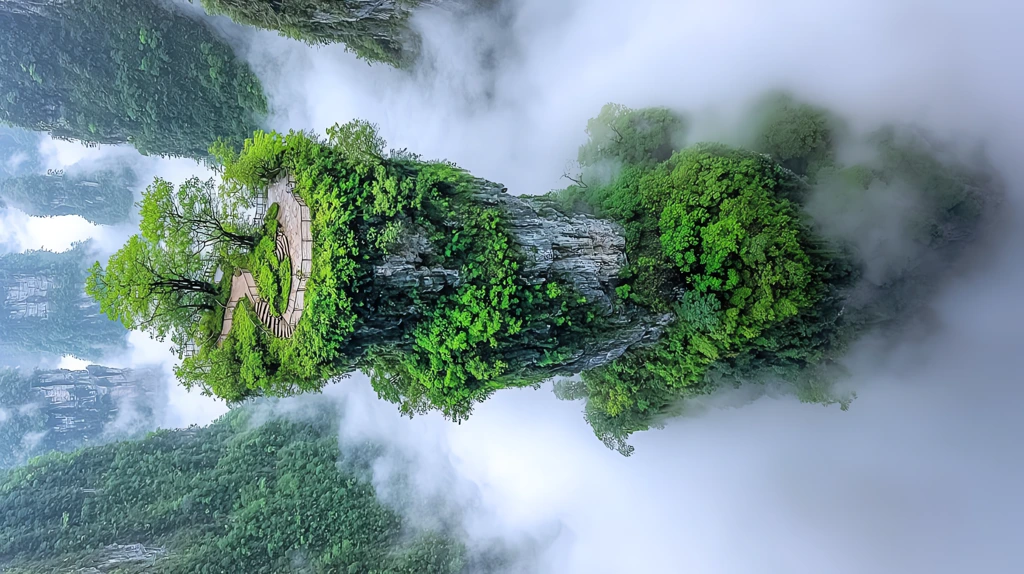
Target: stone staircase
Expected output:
[276,325]
[281,248]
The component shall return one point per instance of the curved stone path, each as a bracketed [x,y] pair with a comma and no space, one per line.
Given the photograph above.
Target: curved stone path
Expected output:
[294,240]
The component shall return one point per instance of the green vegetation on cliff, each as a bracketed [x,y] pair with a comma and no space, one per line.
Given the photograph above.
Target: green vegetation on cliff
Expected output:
[723,265]
[374,30]
[111,72]
[763,264]
[235,496]
[443,345]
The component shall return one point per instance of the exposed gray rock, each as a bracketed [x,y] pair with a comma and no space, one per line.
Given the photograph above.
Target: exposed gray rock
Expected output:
[588,252]
[115,556]
[404,268]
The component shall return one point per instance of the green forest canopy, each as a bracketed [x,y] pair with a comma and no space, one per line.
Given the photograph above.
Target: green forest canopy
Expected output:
[235,496]
[109,72]
[743,317]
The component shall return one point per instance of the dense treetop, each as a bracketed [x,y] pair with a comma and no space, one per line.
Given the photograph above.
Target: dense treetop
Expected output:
[771,259]
[109,72]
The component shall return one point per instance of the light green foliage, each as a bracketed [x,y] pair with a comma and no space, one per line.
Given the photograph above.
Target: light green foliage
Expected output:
[113,72]
[374,31]
[148,286]
[358,141]
[230,497]
[102,197]
[740,246]
[195,218]
[246,173]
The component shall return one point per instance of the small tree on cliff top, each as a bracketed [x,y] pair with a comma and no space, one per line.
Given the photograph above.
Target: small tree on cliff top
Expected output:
[147,286]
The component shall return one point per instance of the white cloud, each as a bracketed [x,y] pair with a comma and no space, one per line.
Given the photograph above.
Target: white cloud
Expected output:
[921,475]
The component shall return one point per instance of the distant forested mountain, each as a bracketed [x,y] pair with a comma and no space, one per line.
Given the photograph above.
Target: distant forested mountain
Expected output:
[236,496]
[60,409]
[44,308]
[103,197]
[375,30]
[110,72]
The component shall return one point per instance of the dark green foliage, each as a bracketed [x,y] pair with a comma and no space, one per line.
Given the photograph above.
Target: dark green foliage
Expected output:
[758,293]
[229,497]
[43,307]
[713,238]
[798,135]
[110,72]
[373,30]
[102,197]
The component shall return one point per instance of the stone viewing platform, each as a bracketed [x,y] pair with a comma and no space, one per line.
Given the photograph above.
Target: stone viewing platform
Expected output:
[295,241]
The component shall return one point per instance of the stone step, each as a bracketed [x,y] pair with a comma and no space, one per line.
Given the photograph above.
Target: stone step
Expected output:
[281,247]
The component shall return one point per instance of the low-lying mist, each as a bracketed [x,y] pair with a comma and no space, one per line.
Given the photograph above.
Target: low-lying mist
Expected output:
[920,475]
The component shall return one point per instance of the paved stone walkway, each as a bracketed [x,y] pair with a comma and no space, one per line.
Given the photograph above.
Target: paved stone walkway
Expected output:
[294,239]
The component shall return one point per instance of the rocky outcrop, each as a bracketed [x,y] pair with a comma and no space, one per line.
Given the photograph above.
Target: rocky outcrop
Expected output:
[587,252]
[114,557]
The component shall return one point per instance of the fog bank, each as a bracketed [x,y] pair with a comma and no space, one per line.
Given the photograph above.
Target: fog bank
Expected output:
[921,475]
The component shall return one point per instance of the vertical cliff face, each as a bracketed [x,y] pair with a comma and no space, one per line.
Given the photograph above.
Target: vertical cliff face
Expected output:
[576,249]
[42,8]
